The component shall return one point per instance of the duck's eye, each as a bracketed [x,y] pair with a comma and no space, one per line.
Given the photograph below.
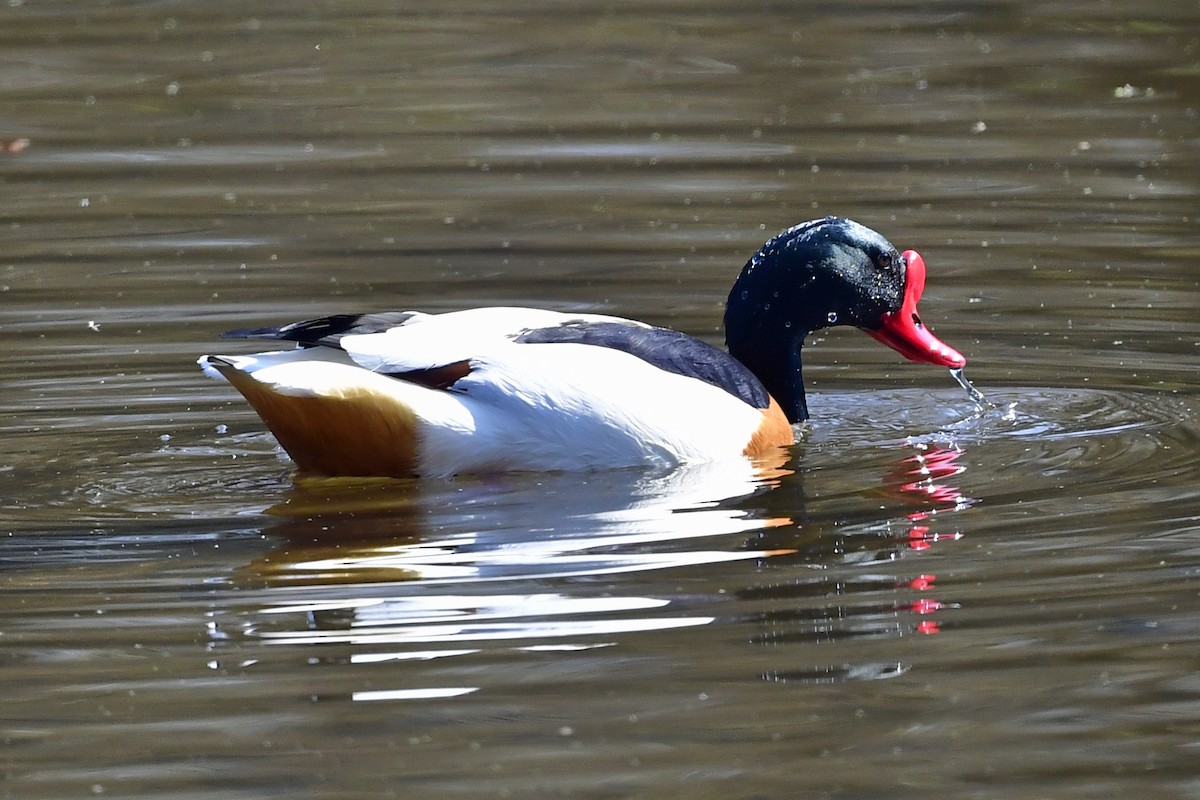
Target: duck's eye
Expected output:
[885,260]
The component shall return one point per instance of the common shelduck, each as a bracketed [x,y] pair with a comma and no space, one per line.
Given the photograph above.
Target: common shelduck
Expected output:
[406,393]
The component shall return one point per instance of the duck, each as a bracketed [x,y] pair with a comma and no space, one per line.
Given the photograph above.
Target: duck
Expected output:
[497,389]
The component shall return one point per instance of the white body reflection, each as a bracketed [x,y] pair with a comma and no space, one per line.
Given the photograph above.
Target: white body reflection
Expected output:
[363,574]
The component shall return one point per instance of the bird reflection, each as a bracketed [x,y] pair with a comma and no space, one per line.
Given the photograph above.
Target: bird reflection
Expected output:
[510,561]
[511,527]
[417,572]
[925,474]
[861,557]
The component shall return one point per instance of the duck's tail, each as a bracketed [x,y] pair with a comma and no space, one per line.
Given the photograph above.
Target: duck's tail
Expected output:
[332,418]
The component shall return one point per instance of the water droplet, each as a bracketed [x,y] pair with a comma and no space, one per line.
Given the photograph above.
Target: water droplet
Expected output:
[745,295]
[832,317]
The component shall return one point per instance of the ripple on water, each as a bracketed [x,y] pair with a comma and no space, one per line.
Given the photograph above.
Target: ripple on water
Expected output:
[1136,434]
[415,572]
[1017,412]
[233,475]
[914,497]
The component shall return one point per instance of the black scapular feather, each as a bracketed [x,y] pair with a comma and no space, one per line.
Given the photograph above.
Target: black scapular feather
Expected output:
[664,348]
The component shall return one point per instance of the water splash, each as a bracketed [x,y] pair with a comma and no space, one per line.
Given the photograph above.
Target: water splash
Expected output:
[976,396]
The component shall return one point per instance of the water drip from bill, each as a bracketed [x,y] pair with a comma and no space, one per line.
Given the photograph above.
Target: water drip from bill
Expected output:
[976,396]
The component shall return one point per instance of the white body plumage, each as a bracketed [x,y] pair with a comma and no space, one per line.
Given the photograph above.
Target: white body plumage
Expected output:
[545,406]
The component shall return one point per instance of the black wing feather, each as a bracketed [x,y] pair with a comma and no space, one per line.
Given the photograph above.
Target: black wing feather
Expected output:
[325,331]
[664,348]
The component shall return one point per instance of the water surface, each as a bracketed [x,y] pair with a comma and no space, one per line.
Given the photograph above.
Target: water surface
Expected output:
[925,598]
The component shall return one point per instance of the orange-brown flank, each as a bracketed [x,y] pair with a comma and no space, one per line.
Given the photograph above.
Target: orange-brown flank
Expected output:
[775,431]
[356,432]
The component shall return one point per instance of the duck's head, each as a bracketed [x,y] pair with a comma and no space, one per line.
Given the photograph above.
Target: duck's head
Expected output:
[818,274]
